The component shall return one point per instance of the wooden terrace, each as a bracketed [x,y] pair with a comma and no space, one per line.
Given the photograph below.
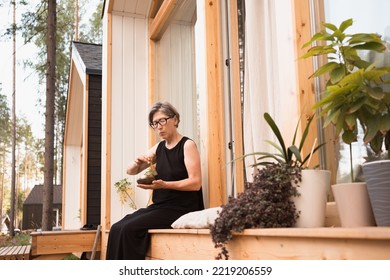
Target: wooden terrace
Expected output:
[328,243]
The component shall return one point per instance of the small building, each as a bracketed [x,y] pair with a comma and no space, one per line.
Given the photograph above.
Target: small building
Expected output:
[33,205]
[82,139]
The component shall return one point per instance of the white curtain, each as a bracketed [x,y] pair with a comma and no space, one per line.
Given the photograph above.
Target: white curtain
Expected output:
[269,75]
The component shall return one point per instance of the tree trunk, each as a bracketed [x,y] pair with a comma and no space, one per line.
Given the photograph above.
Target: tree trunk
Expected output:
[2,184]
[13,175]
[49,125]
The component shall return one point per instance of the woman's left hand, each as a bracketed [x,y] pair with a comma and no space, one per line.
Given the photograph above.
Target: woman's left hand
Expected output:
[156,184]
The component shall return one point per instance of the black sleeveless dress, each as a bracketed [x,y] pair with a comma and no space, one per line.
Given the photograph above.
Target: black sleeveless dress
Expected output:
[129,238]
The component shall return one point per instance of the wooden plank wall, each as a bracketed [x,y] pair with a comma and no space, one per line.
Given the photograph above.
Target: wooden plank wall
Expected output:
[94,149]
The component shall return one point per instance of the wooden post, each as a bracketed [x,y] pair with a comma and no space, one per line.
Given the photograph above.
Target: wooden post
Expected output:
[216,156]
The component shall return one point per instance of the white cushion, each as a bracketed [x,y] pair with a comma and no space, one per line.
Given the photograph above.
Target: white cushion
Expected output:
[198,219]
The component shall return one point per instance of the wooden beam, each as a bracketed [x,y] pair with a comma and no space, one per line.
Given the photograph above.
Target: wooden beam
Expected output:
[236,92]
[306,89]
[215,117]
[84,154]
[106,134]
[304,70]
[163,18]
[154,7]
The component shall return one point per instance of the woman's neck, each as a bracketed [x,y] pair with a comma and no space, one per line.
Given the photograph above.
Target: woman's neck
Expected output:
[173,140]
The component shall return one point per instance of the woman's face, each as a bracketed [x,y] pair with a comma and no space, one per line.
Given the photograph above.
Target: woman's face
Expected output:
[165,125]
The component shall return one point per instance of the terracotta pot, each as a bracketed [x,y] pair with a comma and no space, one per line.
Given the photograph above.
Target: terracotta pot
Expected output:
[313,197]
[353,204]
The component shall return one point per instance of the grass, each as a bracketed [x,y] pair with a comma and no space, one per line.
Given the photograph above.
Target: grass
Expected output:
[71,257]
[20,239]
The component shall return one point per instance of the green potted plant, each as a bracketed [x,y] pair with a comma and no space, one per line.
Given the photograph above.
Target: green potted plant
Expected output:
[126,192]
[149,175]
[314,184]
[355,92]
[269,200]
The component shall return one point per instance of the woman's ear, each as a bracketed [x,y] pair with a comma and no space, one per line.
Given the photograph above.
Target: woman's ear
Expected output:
[176,121]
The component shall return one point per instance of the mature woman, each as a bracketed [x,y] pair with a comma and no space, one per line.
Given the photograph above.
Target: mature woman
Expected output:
[176,188]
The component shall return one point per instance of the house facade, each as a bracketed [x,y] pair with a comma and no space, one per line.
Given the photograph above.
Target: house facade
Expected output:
[82,139]
[222,64]
[188,52]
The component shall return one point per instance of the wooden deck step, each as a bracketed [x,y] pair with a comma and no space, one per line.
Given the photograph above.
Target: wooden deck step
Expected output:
[58,244]
[15,252]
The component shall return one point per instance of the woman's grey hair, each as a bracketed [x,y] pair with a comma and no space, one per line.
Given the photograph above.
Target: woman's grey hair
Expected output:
[167,109]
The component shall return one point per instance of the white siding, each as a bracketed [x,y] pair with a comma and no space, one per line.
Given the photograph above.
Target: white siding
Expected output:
[176,75]
[72,189]
[129,124]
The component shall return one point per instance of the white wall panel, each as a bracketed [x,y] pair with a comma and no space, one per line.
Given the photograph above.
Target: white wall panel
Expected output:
[129,105]
[140,100]
[117,170]
[72,189]
[176,73]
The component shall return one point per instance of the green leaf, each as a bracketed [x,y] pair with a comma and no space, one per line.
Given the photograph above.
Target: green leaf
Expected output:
[305,132]
[325,68]
[384,124]
[345,24]
[376,143]
[330,26]
[314,150]
[372,46]
[372,127]
[318,50]
[332,118]
[276,157]
[354,79]
[337,74]
[356,105]
[277,133]
[374,75]
[296,152]
[360,63]
[340,124]
[349,137]
[339,35]
[279,148]
[376,93]
[320,36]
[359,38]
[350,121]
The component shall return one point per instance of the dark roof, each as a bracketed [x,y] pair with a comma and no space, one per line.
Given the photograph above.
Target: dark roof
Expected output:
[36,195]
[91,55]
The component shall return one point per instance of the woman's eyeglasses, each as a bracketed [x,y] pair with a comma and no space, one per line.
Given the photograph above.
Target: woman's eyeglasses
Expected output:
[161,122]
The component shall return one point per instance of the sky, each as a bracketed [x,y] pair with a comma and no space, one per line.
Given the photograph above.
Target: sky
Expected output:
[27,86]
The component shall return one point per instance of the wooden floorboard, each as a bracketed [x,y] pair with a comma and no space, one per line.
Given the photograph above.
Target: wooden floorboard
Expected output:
[15,252]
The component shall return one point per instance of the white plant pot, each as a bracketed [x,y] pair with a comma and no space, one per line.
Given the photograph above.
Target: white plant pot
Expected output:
[313,197]
[353,204]
[377,177]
